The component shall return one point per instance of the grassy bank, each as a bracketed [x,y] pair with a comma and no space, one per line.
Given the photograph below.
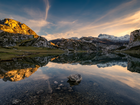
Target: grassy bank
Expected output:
[17,52]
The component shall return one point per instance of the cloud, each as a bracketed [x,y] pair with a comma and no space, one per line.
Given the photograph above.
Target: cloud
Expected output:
[37,20]
[117,9]
[47,8]
[117,26]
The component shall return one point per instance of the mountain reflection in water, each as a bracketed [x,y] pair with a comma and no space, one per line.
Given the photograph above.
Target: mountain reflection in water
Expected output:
[22,68]
[107,80]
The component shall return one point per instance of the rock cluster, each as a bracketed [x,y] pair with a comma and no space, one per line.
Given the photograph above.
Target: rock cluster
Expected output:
[10,39]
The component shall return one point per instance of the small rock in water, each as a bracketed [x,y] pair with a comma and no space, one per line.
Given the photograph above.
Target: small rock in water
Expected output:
[55,82]
[61,85]
[75,77]
[62,81]
[58,88]
[16,101]
[39,92]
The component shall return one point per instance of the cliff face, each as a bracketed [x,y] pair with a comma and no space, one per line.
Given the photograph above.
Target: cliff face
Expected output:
[134,36]
[134,39]
[13,26]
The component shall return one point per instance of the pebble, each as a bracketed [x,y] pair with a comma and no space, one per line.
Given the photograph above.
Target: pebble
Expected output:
[70,90]
[62,81]
[58,88]
[55,82]
[16,101]
[61,85]
[39,92]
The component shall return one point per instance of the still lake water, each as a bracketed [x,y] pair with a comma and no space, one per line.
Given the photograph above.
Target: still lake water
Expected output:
[106,80]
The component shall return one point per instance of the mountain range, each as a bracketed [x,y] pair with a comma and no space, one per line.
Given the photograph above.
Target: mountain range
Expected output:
[14,33]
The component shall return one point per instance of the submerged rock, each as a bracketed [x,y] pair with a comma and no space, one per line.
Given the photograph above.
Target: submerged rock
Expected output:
[75,78]
[16,101]
[55,82]
[73,83]
[40,92]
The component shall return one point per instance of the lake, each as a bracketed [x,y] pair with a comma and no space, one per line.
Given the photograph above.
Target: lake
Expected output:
[111,79]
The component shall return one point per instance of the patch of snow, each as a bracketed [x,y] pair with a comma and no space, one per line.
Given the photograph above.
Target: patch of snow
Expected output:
[112,37]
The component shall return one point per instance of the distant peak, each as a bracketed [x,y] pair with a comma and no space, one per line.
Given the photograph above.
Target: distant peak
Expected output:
[112,37]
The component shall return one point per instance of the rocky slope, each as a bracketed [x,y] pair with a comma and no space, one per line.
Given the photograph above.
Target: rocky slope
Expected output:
[13,26]
[86,43]
[134,42]
[72,45]
[10,39]
[134,39]
[14,33]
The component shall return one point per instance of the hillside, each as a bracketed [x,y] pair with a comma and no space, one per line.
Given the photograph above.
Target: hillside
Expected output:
[16,27]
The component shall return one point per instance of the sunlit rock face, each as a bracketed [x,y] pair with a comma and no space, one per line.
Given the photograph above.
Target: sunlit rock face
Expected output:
[20,69]
[19,74]
[13,26]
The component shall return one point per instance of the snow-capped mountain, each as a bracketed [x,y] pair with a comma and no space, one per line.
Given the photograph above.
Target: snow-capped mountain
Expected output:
[110,64]
[114,38]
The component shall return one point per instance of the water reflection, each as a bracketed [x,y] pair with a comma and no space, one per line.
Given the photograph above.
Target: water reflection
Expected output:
[107,80]
[23,68]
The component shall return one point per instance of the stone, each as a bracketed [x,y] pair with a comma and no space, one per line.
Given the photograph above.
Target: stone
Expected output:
[16,101]
[55,82]
[58,88]
[61,85]
[75,77]
[40,92]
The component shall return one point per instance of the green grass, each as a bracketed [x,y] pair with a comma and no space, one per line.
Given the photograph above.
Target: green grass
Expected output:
[16,52]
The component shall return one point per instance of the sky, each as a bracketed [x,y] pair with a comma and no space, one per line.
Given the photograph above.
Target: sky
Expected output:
[74,18]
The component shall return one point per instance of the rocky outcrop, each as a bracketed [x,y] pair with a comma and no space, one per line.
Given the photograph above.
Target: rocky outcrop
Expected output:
[134,36]
[134,41]
[72,45]
[10,39]
[13,26]
[36,42]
